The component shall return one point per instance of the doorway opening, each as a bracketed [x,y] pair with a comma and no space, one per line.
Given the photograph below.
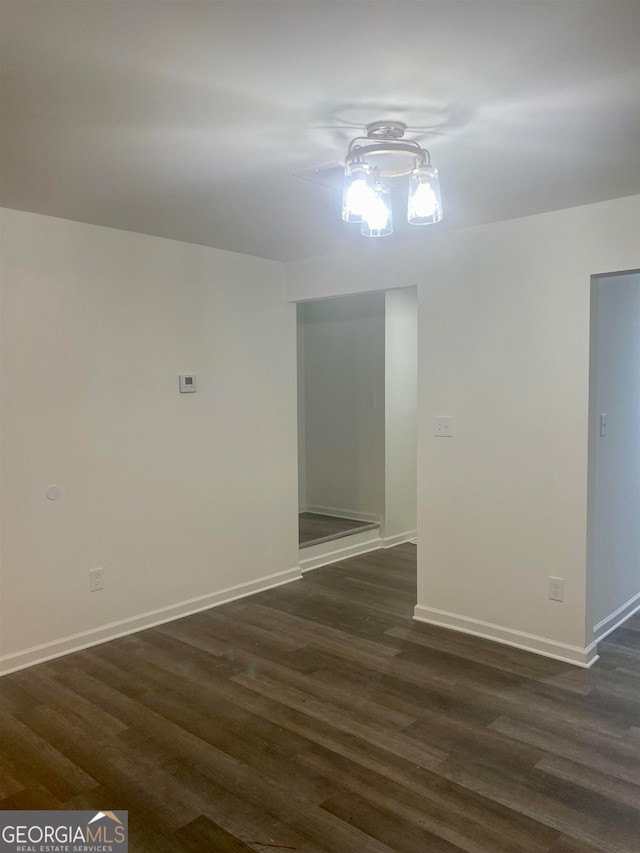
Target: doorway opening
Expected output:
[357,391]
[613,554]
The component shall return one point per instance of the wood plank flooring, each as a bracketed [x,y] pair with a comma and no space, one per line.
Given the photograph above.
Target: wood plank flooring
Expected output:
[314,528]
[318,718]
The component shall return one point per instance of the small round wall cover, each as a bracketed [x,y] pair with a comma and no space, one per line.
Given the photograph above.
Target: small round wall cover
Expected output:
[53,493]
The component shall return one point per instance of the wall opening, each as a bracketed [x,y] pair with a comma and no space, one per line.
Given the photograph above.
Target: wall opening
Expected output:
[357,389]
[613,547]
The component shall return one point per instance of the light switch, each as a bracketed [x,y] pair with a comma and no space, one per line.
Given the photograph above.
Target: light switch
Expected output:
[443,426]
[603,426]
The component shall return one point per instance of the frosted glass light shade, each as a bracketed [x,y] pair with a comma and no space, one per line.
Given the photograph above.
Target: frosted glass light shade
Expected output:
[357,192]
[425,204]
[377,219]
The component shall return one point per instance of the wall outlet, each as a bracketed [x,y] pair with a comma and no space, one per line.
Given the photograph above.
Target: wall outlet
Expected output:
[96,580]
[556,589]
[443,426]
[603,425]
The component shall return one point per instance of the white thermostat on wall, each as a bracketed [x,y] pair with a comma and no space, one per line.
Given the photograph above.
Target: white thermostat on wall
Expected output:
[187,383]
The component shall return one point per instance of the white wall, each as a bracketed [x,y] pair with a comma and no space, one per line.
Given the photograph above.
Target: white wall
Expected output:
[157,487]
[614,459]
[344,404]
[401,395]
[503,346]
[302,427]
[177,497]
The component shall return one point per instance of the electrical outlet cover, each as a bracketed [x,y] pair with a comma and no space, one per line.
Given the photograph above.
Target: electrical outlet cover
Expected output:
[443,426]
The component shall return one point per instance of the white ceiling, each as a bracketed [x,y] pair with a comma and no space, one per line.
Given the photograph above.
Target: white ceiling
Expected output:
[188,119]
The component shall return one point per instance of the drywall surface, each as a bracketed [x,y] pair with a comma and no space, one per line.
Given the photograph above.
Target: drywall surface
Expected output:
[176,496]
[614,458]
[401,395]
[344,404]
[377,266]
[302,438]
[503,343]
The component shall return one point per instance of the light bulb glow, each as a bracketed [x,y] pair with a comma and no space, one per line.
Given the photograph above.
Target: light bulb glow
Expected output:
[377,218]
[375,214]
[425,204]
[358,182]
[424,201]
[359,197]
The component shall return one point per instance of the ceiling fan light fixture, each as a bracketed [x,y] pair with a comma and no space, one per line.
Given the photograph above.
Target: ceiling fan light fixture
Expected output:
[366,197]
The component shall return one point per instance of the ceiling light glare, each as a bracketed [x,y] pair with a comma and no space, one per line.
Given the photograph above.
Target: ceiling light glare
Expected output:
[425,204]
[358,191]
[377,217]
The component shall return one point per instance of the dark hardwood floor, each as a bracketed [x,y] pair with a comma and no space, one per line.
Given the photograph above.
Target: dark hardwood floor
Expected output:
[319,718]
[314,528]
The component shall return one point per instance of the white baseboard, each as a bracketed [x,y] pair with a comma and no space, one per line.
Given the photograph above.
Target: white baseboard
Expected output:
[615,619]
[529,642]
[398,539]
[326,553]
[96,636]
[343,513]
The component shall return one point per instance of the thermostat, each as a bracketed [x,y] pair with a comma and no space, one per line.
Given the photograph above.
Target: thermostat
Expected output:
[187,383]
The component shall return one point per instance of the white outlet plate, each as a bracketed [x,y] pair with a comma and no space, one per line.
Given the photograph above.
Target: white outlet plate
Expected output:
[556,589]
[96,580]
[443,426]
